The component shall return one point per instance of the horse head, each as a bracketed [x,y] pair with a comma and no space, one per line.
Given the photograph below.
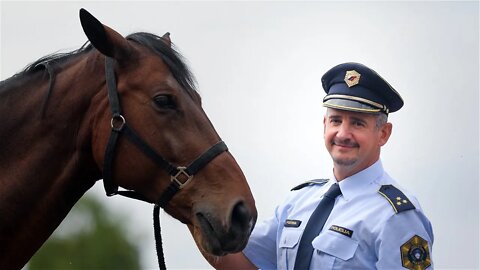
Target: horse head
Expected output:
[160,106]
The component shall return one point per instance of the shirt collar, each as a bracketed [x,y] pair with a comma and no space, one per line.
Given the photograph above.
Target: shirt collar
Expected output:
[361,182]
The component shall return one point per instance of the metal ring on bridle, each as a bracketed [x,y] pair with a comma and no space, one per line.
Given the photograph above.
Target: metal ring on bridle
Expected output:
[117,122]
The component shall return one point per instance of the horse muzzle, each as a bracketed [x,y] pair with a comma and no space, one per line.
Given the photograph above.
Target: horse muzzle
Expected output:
[229,236]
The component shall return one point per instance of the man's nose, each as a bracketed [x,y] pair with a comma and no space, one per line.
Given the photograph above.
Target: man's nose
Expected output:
[344,131]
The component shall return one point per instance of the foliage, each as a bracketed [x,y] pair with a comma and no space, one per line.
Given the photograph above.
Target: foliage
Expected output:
[97,242]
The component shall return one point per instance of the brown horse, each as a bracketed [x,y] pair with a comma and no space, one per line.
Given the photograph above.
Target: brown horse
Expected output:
[123,110]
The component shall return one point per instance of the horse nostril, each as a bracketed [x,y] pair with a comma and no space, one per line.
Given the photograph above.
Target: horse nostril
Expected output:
[241,217]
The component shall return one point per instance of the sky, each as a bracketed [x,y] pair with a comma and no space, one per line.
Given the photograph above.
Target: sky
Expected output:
[258,66]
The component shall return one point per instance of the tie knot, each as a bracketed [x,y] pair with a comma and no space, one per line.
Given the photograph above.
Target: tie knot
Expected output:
[334,191]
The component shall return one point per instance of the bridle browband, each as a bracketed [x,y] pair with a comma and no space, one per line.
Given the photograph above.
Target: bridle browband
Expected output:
[179,175]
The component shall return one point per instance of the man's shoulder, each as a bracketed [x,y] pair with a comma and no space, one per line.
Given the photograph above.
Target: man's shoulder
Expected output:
[396,198]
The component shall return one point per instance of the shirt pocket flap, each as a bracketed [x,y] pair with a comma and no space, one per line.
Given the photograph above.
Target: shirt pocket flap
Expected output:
[336,245]
[290,238]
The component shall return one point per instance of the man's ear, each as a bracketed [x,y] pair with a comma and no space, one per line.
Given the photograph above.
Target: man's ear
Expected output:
[385,132]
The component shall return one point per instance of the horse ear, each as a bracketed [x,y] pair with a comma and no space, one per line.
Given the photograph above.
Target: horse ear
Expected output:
[166,39]
[102,37]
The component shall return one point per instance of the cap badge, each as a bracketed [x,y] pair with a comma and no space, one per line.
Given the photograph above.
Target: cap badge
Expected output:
[352,78]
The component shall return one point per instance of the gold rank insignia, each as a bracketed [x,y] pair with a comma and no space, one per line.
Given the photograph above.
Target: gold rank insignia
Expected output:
[352,78]
[415,254]
[396,198]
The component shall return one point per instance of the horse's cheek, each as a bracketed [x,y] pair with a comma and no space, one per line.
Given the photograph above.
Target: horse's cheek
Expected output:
[100,134]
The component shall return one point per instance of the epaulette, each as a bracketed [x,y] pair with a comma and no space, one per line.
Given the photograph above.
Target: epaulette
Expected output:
[310,182]
[396,198]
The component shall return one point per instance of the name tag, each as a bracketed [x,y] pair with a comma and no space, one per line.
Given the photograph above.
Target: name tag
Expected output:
[292,223]
[341,230]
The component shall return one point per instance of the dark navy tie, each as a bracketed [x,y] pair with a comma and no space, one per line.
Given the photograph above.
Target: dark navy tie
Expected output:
[314,226]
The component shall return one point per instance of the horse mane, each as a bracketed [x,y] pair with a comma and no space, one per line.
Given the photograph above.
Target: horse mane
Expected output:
[172,58]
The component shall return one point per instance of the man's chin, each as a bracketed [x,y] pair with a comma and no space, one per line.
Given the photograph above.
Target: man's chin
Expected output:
[345,161]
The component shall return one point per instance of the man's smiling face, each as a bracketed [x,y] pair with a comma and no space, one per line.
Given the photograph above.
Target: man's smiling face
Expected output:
[353,139]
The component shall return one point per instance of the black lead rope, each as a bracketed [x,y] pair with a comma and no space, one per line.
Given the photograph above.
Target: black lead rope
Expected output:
[156,225]
[119,126]
[158,237]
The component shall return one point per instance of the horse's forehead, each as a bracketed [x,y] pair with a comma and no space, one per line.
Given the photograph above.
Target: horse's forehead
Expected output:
[147,59]
[154,75]
[171,82]
[147,66]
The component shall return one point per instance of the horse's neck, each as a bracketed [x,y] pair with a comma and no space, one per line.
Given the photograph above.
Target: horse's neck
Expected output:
[46,163]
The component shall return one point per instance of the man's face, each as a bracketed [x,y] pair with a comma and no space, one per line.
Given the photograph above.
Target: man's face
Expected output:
[353,139]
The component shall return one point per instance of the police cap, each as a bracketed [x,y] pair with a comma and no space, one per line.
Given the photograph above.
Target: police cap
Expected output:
[355,87]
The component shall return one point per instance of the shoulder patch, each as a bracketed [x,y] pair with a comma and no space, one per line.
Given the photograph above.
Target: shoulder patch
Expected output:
[396,198]
[320,182]
[415,254]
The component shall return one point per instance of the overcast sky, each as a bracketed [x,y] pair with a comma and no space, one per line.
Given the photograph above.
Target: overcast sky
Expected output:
[258,67]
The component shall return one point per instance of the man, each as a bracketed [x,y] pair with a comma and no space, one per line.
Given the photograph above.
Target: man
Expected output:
[363,219]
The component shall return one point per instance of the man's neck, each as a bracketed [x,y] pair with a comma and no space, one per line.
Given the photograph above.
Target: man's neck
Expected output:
[341,171]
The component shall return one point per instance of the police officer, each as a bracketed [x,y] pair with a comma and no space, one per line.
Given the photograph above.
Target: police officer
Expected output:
[358,218]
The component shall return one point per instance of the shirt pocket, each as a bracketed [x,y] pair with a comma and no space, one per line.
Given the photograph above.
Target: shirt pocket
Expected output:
[287,248]
[290,238]
[338,246]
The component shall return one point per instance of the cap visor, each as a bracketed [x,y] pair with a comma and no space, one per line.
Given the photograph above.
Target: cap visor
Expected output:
[349,105]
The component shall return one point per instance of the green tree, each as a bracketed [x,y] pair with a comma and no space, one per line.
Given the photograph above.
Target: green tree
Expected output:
[96,241]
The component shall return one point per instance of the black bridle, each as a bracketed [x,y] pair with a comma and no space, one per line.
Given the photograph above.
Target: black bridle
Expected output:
[179,175]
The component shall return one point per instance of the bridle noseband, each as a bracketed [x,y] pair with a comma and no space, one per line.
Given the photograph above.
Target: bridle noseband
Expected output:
[179,175]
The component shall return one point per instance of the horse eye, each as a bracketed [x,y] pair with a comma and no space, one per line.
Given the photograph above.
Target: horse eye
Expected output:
[164,101]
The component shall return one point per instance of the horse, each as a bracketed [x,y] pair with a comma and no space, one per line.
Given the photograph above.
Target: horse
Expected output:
[121,109]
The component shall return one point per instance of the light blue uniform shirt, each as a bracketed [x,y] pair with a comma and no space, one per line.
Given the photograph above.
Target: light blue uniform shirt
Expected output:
[363,230]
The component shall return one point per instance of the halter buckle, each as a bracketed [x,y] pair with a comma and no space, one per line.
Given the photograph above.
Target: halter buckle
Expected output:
[185,178]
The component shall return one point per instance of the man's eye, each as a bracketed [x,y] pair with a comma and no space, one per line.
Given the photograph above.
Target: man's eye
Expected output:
[358,124]
[335,121]
[164,101]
